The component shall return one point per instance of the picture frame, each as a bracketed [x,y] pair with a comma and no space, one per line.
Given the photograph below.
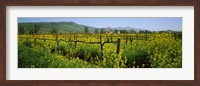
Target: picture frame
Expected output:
[4,3]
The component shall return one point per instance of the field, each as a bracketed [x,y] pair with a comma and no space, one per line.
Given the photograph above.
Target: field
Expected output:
[152,50]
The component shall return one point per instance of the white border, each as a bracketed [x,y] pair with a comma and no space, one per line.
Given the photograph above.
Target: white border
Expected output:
[185,73]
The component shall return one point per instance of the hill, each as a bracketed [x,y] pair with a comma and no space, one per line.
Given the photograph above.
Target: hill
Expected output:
[68,27]
[61,27]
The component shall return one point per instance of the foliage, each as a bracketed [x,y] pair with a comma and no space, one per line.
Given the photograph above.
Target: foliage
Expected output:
[86,29]
[21,30]
[96,31]
[38,58]
[54,31]
[61,27]
[161,50]
[37,28]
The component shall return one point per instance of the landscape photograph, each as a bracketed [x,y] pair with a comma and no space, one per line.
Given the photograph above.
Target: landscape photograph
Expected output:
[99,42]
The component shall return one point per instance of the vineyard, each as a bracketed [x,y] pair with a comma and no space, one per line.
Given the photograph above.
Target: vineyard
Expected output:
[152,50]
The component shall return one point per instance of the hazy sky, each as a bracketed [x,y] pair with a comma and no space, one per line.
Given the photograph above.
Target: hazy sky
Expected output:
[168,23]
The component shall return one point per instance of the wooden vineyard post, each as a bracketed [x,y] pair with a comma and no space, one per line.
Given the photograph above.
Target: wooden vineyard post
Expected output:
[131,39]
[35,41]
[118,46]
[75,40]
[101,46]
[137,38]
[57,41]
[65,36]
[75,44]
[175,36]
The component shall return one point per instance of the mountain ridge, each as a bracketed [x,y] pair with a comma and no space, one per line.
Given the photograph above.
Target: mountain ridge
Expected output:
[70,27]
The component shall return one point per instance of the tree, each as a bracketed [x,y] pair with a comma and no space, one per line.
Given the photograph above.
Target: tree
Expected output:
[102,30]
[145,31]
[141,31]
[132,31]
[31,31]
[116,31]
[54,31]
[86,29]
[123,31]
[96,31]
[21,30]
[36,29]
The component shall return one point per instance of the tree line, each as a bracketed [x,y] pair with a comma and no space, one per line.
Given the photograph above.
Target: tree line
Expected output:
[37,28]
[34,30]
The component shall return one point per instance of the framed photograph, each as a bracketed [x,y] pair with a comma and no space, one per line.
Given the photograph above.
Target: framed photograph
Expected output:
[109,42]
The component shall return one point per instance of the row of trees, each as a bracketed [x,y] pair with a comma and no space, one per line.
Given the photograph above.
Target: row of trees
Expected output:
[37,28]
[103,30]
[34,30]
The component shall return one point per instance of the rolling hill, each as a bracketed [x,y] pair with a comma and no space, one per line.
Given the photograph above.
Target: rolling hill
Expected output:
[61,27]
[66,27]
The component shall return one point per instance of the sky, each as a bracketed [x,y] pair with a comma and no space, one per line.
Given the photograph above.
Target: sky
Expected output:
[148,23]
